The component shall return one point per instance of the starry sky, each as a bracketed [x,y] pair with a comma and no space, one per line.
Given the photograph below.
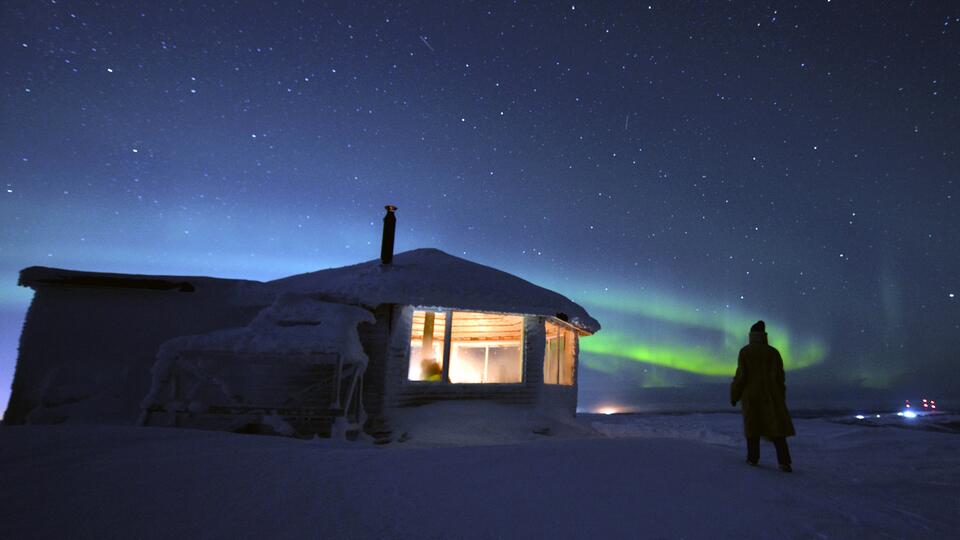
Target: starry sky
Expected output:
[681,169]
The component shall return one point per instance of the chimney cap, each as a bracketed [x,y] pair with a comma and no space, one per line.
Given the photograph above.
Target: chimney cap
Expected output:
[390,208]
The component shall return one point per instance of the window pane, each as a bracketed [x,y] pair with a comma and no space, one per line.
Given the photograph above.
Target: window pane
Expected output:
[486,348]
[550,373]
[426,346]
[466,364]
[505,364]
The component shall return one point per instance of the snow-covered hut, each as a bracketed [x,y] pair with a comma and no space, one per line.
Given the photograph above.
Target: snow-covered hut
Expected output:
[442,328]
[448,328]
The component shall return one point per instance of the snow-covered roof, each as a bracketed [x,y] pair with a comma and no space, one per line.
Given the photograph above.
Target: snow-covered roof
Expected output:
[293,324]
[420,277]
[41,275]
[430,277]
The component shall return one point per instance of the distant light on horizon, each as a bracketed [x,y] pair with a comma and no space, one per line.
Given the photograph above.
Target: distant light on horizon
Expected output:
[908,414]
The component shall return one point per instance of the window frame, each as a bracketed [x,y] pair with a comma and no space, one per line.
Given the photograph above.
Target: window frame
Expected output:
[563,326]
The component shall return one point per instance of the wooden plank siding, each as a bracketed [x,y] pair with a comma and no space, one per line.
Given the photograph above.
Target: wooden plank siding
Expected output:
[468,326]
[226,390]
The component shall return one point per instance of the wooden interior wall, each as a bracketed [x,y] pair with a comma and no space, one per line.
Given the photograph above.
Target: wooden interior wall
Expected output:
[470,326]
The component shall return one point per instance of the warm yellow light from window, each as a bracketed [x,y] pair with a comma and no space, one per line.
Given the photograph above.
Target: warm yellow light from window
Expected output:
[486,348]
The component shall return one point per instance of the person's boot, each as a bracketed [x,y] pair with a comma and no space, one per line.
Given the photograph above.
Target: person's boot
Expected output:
[785,467]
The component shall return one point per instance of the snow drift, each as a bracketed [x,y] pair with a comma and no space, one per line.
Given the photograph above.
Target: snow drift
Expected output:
[660,477]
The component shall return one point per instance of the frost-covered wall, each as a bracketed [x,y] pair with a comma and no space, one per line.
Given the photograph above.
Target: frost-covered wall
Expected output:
[296,368]
[375,339]
[86,352]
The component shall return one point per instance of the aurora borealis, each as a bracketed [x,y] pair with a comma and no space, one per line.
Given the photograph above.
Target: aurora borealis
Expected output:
[681,169]
[716,360]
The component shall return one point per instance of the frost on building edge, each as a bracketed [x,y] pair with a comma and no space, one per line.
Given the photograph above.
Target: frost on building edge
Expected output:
[241,376]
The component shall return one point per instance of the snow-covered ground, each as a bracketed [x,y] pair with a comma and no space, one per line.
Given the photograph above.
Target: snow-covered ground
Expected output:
[632,476]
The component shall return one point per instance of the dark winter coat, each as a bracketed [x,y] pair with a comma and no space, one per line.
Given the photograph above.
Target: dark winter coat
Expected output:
[759,386]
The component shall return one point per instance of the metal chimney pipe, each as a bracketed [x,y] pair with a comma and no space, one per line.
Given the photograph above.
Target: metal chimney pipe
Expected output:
[389,231]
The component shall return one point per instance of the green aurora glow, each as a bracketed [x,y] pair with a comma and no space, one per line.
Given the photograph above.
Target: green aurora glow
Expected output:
[711,360]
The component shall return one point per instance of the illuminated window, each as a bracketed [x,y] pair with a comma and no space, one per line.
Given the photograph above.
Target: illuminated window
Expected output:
[486,348]
[427,346]
[558,356]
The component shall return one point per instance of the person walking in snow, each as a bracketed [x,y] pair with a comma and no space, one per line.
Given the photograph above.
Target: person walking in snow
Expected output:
[760,389]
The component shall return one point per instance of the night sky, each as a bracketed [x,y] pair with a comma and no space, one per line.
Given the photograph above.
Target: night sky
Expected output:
[680,169]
